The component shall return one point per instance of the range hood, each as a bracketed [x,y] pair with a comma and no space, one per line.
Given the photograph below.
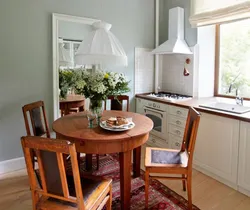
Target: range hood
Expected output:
[175,43]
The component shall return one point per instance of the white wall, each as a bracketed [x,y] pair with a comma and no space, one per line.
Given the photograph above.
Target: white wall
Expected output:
[26,52]
[206,63]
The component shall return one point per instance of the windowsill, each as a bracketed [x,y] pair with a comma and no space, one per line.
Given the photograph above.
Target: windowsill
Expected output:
[233,97]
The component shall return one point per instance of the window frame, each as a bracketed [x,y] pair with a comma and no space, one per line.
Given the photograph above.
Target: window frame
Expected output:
[217,64]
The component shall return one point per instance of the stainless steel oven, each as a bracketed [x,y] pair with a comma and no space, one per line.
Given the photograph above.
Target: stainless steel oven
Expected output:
[158,114]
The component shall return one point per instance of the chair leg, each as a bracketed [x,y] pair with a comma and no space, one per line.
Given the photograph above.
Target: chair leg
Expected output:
[189,189]
[146,188]
[97,162]
[183,183]
[109,203]
[35,198]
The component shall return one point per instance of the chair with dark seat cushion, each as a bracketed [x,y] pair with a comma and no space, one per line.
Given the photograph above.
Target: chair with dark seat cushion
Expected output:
[36,121]
[37,118]
[169,161]
[117,102]
[59,191]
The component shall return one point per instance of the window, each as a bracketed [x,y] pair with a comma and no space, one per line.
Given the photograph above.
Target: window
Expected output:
[232,70]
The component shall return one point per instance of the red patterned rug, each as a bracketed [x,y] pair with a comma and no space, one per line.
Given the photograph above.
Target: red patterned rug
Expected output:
[160,196]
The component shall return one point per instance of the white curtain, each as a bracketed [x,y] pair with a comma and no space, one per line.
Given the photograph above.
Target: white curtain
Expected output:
[207,12]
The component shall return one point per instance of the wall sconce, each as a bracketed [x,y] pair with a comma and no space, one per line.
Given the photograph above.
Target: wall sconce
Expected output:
[186,72]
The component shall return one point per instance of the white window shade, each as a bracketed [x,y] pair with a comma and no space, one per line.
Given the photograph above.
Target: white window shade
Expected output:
[207,12]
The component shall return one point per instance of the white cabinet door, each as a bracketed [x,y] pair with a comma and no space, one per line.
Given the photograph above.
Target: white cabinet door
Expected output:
[216,150]
[244,158]
[139,105]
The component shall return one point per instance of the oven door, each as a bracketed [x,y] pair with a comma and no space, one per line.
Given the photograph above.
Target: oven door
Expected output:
[159,119]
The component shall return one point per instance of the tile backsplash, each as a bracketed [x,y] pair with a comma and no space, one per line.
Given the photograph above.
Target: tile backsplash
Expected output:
[172,78]
[144,70]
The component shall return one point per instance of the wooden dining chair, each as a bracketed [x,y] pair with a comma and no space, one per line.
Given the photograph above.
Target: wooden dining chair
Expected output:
[169,161]
[58,191]
[117,102]
[36,121]
[34,114]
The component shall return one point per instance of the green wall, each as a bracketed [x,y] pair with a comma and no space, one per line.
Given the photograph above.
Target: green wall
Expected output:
[26,52]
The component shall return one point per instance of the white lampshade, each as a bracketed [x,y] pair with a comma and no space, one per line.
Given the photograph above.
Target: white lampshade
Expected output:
[101,47]
[64,55]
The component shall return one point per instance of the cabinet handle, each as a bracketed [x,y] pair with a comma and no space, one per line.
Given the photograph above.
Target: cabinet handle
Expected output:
[179,112]
[177,144]
[178,122]
[178,132]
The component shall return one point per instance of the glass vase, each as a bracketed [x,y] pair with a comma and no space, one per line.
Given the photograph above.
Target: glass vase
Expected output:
[95,107]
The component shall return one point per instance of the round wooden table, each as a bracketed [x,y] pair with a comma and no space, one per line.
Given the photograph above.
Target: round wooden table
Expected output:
[99,141]
[72,101]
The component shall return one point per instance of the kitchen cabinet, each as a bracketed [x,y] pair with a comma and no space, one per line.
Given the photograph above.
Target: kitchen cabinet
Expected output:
[140,105]
[155,141]
[222,145]
[216,149]
[176,118]
[244,159]
[174,121]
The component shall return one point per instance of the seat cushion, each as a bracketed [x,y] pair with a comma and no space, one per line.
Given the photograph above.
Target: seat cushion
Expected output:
[165,157]
[88,186]
[92,188]
[158,157]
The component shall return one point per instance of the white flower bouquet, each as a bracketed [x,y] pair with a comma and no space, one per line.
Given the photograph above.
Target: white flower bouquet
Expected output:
[98,85]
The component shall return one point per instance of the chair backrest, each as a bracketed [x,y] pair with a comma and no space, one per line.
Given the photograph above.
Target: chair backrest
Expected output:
[57,147]
[38,119]
[117,102]
[190,133]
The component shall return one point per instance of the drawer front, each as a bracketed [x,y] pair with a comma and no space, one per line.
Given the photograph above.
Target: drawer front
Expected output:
[176,130]
[178,121]
[176,142]
[163,143]
[178,111]
[175,145]
[157,142]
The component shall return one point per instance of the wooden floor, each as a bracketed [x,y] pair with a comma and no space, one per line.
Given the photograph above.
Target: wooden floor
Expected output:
[207,192]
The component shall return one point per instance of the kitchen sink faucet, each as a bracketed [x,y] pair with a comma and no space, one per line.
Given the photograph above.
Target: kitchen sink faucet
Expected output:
[238,99]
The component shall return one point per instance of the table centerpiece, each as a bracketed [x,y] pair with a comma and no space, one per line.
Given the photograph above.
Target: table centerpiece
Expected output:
[98,85]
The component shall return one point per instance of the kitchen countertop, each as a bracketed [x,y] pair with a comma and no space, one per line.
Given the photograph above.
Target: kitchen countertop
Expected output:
[195,102]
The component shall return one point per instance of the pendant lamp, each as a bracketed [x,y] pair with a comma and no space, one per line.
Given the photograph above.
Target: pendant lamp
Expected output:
[65,59]
[101,47]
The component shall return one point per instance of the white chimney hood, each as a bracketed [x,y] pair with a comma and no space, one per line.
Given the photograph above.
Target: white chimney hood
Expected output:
[175,43]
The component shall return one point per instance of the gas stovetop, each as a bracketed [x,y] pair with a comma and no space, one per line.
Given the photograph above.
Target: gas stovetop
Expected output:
[170,96]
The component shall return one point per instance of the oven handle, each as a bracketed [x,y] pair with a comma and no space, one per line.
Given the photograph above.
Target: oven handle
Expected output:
[153,110]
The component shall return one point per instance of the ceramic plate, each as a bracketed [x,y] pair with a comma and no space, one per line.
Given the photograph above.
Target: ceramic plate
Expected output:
[125,127]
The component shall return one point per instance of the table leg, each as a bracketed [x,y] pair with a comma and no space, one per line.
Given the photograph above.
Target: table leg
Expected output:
[66,110]
[81,108]
[125,179]
[88,159]
[136,162]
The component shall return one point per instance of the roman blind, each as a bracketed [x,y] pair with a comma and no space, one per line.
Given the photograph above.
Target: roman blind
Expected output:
[207,12]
